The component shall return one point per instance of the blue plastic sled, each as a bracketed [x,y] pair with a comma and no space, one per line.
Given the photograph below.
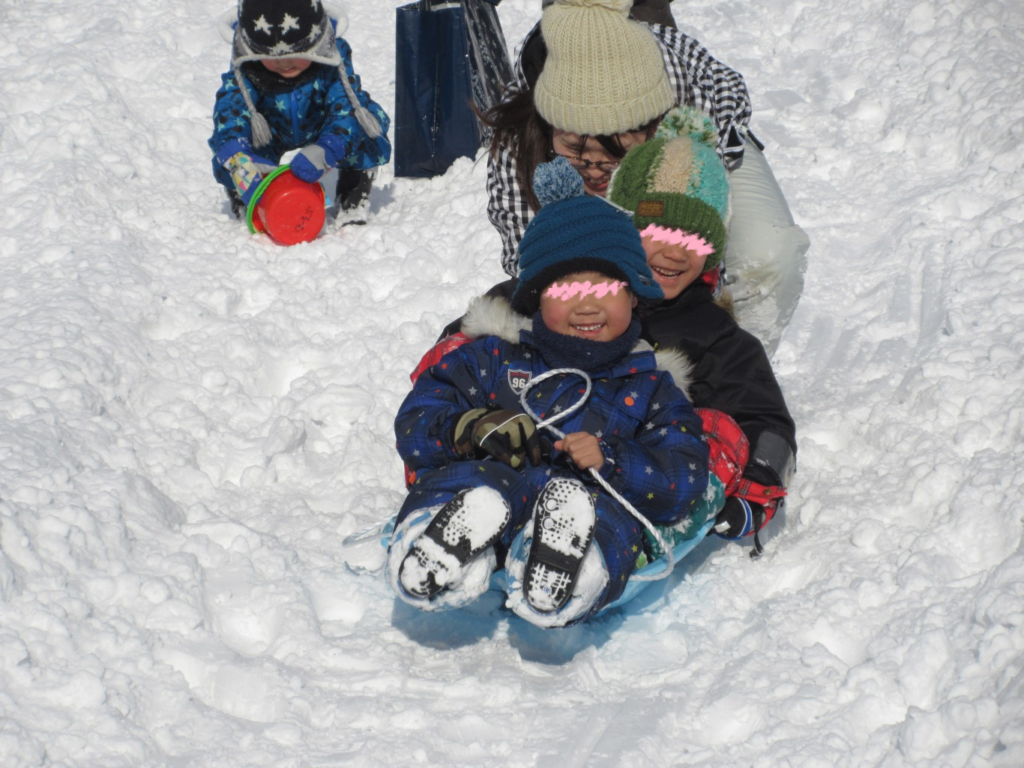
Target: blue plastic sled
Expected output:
[649,573]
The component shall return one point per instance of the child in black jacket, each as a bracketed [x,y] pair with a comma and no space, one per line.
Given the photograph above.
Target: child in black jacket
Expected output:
[677,190]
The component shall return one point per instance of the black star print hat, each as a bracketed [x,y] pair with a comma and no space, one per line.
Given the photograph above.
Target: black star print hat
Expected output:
[284,29]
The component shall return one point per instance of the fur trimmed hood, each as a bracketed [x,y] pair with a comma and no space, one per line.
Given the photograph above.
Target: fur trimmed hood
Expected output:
[493,316]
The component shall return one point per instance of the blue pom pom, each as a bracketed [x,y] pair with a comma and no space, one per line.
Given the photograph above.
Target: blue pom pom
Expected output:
[555,181]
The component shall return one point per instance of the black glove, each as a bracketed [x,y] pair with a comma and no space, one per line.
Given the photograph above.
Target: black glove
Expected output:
[740,517]
[736,519]
[508,436]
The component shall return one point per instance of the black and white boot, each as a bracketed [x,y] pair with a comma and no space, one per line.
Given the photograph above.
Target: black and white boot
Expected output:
[461,530]
[353,195]
[238,209]
[563,528]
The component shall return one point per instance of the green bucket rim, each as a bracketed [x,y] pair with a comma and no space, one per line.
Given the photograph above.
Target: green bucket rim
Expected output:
[255,199]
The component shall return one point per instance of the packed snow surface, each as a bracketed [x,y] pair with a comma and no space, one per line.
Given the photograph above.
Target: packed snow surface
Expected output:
[193,421]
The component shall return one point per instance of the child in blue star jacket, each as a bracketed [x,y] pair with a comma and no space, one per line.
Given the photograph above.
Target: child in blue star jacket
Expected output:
[292,86]
[491,487]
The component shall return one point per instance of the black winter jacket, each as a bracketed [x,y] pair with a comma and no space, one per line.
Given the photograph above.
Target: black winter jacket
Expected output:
[731,374]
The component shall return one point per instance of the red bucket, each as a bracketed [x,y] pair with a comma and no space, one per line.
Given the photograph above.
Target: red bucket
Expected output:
[288,209]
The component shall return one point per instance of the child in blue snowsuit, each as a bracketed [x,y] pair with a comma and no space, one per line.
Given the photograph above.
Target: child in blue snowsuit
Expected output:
[491,488]
[292,86]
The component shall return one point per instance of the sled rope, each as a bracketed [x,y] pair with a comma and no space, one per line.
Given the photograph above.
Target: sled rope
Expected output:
[547,424]
[376,530]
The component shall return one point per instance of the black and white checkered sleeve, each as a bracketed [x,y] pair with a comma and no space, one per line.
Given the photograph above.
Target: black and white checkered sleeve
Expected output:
[701,80]
[506,208]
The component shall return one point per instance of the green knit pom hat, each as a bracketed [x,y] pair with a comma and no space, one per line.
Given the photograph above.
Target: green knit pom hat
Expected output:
[679,184]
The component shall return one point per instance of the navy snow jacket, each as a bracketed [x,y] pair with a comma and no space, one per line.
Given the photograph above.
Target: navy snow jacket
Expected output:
[652,439]
[299,113]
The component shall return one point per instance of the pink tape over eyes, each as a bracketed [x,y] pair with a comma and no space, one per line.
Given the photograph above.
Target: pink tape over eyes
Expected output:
[689,241]
[566,291]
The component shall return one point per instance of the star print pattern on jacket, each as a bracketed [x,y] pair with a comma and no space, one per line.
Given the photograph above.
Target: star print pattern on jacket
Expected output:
[311,106]
[649,433]
[651,438]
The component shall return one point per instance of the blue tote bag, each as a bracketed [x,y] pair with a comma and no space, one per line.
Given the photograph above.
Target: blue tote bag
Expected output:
[447,56]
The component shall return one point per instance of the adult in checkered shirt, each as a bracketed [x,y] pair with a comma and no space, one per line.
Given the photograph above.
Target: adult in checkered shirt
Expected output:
[591,83]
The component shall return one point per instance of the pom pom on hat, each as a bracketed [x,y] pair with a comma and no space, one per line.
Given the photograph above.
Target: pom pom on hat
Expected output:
[555,181]
[688,121]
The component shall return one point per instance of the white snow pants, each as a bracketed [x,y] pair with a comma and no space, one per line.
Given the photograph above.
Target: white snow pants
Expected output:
[766,255]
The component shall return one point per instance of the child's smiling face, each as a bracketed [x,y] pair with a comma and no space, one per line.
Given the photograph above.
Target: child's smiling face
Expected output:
[674,266]
[287,68]
[588,305]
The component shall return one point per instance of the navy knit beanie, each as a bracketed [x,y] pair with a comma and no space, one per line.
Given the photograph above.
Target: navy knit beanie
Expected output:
[578,233]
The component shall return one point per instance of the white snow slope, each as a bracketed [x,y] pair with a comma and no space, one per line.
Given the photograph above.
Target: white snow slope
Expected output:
[193,420]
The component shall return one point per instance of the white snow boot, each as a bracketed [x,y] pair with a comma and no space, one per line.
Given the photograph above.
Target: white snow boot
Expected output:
[563,527]
[440,558]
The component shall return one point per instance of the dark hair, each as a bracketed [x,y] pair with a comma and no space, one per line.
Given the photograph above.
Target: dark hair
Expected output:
[613,144]
[515,123]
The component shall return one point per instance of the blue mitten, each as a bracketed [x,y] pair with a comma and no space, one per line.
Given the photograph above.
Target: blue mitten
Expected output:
[314,161]
[247,168]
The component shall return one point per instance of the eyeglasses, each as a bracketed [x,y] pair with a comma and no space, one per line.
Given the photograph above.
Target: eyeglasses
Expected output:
[604,166]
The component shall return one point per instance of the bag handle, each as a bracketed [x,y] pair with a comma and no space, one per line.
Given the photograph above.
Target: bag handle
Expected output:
[439,5]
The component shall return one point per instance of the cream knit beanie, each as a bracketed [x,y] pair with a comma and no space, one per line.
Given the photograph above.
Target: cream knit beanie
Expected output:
[604,73]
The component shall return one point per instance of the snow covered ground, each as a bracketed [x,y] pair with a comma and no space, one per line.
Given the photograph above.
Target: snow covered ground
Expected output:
[193,421]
